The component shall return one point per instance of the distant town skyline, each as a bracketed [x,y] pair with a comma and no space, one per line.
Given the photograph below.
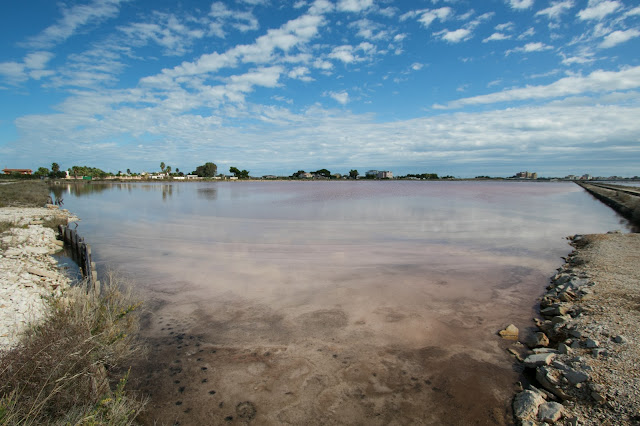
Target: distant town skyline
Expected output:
[434,86]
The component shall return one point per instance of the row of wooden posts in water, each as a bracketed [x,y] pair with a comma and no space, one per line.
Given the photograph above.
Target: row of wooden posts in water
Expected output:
[81,253]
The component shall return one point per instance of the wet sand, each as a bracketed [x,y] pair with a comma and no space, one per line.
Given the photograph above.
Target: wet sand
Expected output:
[374,342]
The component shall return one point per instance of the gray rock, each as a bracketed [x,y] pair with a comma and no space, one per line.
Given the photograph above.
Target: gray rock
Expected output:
[537,360]
[564,349]
[555,310]
[599,352]
[620,339]
[550,412]
[548,380]
[525,405]
[560,319]
[574,376]
[591,343]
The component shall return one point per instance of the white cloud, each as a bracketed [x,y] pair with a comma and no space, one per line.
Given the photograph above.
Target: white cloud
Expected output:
[496,37]
[507,26]
[344,53]
[165,30]
[33,66]
[340,97]
[520,4]
[416,66]
[370,30]
[556,9]
[37,60]
[455,36]
[598,9]
[598,82]
[241,20]
[428,16]
[13,72]
[534,47]
[528,33]
[633,12]
[618,37]
[293,33]
[74,18]
[354,5]
[300,73]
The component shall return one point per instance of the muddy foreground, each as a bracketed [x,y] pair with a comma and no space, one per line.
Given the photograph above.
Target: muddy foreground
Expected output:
[422,353]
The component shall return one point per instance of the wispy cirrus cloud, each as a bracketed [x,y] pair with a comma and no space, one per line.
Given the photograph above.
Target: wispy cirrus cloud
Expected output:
[556,9]
[596,82]
[74,18]
[33,66]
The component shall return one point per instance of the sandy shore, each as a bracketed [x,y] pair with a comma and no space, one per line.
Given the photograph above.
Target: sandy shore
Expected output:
[588,373]
[28,271]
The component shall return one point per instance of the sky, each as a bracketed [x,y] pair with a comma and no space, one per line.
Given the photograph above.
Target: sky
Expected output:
[454,87]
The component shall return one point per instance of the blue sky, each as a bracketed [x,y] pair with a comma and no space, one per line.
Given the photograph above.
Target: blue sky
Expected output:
[441,86]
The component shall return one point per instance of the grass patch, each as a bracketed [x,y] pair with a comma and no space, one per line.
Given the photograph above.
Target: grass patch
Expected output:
[62,371]
[5,226]
[24,194]
[54,222]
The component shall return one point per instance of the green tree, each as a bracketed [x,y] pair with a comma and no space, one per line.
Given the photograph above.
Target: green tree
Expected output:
[42,172]
[240,174]
[162,166]
[353,174]
[323,172]
[128,171]
[206,170]
[169,170]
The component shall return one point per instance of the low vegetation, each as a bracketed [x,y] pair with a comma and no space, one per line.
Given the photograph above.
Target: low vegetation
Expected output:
[64,370]
[24,193]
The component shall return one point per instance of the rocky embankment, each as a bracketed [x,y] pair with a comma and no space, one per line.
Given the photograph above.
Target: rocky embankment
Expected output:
[28,272]
[582,358]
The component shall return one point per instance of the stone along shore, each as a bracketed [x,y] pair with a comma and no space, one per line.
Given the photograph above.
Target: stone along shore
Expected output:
[583,356]
[28,271]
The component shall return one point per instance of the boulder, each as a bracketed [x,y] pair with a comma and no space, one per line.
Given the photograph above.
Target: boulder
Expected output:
[509,333]
[550,412]
[537,360]
[525,405]
[575,376]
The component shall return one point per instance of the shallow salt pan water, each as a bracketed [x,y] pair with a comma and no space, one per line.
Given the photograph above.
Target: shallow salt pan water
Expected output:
[333,302]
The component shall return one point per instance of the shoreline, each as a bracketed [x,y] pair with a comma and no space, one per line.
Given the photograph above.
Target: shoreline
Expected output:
[28,271]
[585,350]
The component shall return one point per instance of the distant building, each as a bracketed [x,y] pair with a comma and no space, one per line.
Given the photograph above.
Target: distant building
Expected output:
[586,177]
[527,175]
[19,171]
[379,174]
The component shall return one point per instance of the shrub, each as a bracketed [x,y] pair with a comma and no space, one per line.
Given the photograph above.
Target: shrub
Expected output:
[60,373]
